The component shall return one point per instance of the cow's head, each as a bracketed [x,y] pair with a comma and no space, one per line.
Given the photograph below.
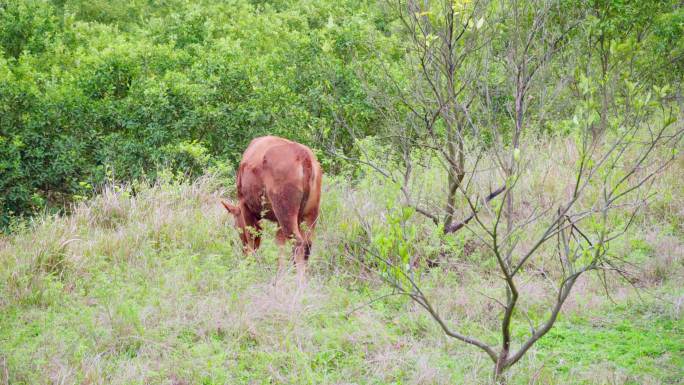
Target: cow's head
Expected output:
[246,227]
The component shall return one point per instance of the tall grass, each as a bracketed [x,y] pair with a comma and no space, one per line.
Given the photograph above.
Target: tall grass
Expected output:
[151,288]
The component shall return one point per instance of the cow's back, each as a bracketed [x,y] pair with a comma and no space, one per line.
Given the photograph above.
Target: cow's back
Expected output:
[273,163]
[254,154]
[250,181]
[292,172]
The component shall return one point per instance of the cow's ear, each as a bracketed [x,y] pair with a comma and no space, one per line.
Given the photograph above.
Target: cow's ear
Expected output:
[235,210]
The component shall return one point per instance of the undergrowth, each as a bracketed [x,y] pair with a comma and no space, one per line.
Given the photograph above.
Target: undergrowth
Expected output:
[151,288]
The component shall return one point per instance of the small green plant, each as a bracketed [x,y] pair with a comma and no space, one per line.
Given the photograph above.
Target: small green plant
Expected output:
[395,246]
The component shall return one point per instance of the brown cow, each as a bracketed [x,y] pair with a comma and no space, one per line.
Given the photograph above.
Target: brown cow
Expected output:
[278,180]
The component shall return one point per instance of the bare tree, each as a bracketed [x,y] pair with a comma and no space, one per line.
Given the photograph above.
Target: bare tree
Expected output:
[431,115]
[610,175]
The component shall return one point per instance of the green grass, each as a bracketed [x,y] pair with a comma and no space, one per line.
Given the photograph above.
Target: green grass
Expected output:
[163,295]
[148,326]
[637,343]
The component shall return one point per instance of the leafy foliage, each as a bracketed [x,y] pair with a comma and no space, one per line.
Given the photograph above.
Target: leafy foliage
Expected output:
[99,90]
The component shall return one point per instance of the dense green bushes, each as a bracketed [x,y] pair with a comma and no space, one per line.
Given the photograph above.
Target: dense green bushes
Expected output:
[96,90]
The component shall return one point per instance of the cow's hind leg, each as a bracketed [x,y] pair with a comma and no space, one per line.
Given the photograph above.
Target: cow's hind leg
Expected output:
[285,203]
[281,240]
[301,245]
[310,220]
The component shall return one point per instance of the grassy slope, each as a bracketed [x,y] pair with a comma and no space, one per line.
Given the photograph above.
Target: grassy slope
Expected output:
[153,289]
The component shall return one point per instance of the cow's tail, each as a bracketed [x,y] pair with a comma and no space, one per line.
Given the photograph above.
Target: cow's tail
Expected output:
[309,176]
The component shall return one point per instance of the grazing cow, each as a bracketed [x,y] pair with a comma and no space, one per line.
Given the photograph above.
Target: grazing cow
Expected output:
[278,180]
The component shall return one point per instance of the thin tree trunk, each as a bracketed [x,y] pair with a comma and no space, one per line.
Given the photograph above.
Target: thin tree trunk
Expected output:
[456,175]
[499,369]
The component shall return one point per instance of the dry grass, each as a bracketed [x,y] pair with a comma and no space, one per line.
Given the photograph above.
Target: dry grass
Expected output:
[152,288]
